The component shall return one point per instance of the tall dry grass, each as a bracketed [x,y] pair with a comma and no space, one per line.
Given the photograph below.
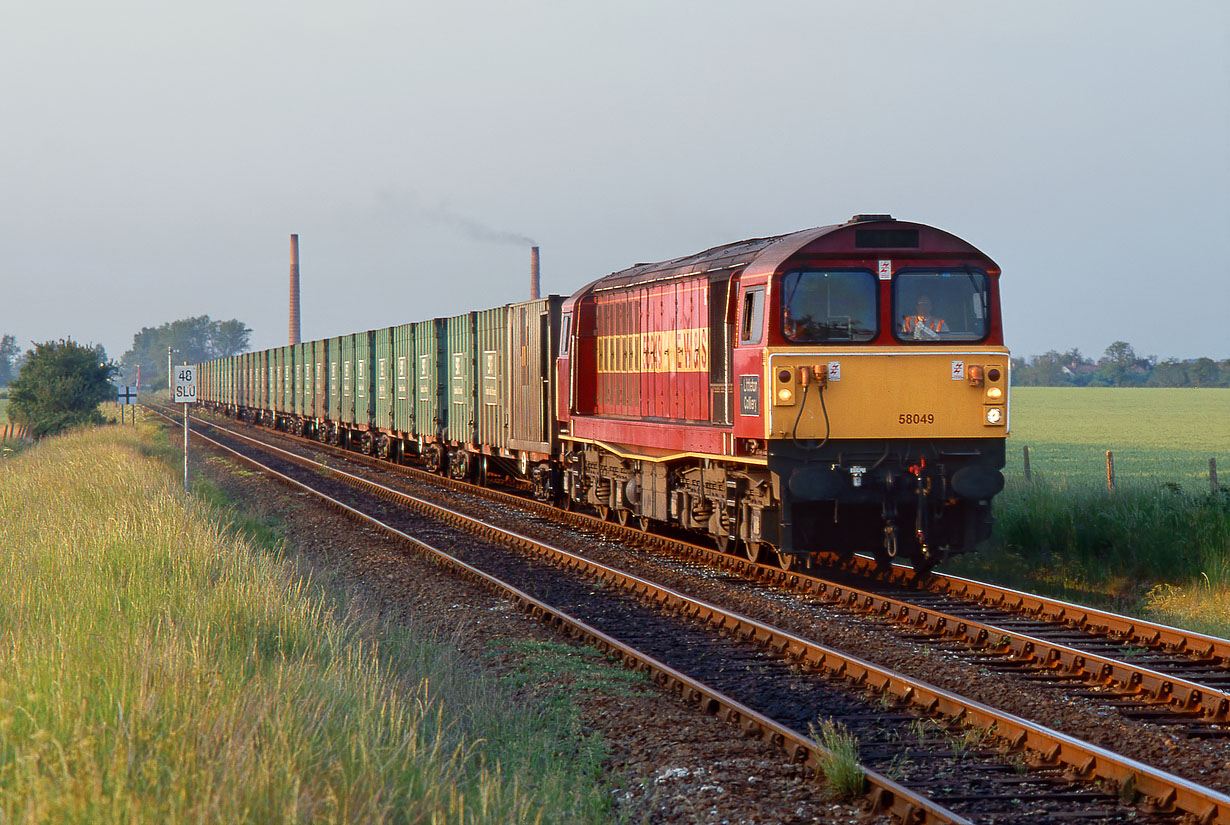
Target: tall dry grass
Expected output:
[155,667]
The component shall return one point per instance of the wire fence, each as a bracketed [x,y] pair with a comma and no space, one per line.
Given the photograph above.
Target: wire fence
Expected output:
[1110,470]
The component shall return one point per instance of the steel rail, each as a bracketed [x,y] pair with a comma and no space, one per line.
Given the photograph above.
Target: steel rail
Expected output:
[1163,791]
[1199,646]
[1182,696]
[885,795]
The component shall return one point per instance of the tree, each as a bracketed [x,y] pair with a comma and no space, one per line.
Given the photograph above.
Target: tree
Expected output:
[194,339]
[1169,373]
[1118,359]
[9,353]
[230,338]
[1204,373]
[60,386]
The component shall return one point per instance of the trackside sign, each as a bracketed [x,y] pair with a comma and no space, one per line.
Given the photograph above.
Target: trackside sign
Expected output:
[185,385]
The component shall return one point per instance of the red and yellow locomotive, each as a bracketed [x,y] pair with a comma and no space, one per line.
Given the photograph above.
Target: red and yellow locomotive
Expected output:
[838,389]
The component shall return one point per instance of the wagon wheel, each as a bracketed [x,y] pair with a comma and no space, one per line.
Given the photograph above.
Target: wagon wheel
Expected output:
[642,522]
[789,561]
[604,512]
[623,515]
[726,543]
[758,552]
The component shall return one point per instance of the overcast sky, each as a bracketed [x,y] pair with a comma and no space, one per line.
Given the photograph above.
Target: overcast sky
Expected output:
[158,155]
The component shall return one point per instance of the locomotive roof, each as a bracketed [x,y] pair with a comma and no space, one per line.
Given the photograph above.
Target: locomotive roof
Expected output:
[755,254]
[718,262]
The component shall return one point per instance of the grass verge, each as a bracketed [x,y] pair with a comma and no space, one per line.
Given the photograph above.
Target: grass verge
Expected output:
[1159,551]
[155,665]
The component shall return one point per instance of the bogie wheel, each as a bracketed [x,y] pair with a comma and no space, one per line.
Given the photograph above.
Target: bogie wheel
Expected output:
[623,515]
[790,561]
[642,522]
[434,458]
[604,512]
[758,552]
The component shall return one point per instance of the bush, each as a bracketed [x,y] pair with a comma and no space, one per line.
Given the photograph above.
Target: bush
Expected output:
[60,386]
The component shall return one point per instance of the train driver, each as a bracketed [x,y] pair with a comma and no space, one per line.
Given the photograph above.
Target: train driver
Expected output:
[923,324]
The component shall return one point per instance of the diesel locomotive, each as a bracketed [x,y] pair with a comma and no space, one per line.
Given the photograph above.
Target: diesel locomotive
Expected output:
[841,389]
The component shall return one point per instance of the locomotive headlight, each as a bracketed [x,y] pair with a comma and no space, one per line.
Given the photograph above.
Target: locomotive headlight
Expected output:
[785,395]
[995,415]
[994,394]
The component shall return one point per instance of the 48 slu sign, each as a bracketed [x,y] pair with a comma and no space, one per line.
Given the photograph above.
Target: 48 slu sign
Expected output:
[185,385]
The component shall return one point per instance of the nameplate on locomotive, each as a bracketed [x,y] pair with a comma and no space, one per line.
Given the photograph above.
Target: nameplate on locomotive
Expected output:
[749,395]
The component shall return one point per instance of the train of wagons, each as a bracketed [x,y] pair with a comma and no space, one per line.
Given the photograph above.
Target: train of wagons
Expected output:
[839,389]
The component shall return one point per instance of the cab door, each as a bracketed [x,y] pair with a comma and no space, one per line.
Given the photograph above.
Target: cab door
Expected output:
[751,325]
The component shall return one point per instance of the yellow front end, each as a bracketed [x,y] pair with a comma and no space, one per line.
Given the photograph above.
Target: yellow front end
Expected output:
[897,393]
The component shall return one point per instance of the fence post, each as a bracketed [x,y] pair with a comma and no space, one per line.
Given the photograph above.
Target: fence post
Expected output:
[1025,454]
[1110,472]
[1213,474]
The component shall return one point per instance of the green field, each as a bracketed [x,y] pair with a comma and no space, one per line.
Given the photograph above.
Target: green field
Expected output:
[1156,435]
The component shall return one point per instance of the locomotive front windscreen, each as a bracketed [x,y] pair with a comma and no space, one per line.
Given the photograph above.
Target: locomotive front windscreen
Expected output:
[828,306]
[941,306]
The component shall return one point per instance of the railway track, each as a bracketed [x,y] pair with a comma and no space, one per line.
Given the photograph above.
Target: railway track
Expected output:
[906,727]
[1143,670]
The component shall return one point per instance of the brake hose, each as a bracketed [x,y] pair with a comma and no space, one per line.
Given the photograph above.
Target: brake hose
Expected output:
[823,408]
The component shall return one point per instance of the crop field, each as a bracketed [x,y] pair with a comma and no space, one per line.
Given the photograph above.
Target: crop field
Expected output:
[1157,435]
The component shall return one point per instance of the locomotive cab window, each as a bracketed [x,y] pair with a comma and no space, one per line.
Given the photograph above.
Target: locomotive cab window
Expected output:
[941,306]
[821,307]
[752,323]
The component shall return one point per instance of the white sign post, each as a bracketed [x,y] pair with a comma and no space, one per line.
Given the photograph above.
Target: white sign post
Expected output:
[126,397]
[185,393]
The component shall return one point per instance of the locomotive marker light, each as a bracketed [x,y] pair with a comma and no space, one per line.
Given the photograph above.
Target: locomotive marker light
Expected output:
[185,393]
